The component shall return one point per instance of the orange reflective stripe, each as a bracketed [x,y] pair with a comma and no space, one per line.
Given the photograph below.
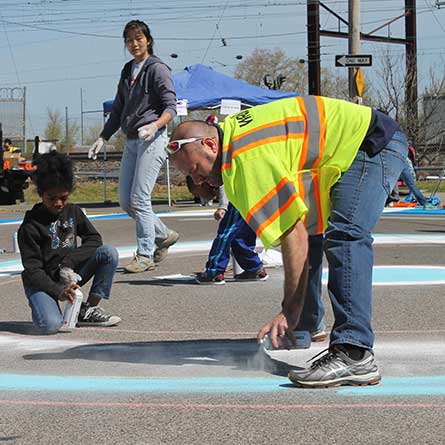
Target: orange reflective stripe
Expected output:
[271,206]
[276,214]
[272,132]
[322,130]
[264,199]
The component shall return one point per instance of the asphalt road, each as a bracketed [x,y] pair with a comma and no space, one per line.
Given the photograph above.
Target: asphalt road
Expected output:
[183,366]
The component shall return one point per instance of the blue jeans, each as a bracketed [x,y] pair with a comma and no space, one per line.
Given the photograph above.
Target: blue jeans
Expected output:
[233,233]
[358,199]
[139,171]
[46,313]
[408,176]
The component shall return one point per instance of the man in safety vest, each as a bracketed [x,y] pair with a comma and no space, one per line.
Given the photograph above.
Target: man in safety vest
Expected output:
[309,173]
[8,147]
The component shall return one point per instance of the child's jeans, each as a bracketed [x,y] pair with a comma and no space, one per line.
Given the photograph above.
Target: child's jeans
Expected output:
[46,313]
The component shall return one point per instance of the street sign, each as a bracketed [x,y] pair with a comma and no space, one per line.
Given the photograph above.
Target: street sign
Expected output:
[353,60]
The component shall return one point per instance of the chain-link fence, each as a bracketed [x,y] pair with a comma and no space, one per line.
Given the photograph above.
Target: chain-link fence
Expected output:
[12,115]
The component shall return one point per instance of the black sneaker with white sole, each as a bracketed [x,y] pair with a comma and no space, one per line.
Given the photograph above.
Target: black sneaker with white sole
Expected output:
[96,316]
[336,368]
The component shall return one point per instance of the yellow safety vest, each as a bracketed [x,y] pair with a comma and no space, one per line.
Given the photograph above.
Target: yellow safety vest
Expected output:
[280,160]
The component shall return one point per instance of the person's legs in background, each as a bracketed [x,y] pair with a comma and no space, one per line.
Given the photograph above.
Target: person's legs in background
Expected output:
[243,248]
[140,168]
[312,316]
[219,254]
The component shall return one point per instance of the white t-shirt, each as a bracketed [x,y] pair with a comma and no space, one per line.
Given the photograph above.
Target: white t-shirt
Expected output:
[135,70]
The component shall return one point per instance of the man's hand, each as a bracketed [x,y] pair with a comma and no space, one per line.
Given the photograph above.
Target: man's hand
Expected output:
[96,148]
[69,293]
[279,328]
[147,132]
[219,214]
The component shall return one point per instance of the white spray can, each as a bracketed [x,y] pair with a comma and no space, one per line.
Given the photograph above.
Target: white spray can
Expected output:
[303,341]
[237,269]
[15,243]
[72,310]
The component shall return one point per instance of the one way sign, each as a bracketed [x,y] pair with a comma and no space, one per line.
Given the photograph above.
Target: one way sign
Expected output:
[353,60]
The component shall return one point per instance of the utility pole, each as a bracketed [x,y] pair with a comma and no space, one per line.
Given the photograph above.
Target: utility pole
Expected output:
[81,116]
[66,130]
[411,69]
[313,46]
[354,46]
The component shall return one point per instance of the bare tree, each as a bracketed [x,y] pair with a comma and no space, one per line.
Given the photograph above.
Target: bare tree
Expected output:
[55,130]
[274,63]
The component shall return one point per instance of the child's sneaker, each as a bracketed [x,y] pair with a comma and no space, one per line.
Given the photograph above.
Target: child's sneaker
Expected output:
[161,251]
[96,316]
[260,275]
[205,278]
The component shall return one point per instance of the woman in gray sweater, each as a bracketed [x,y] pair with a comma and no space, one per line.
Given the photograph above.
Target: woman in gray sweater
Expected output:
[145,102]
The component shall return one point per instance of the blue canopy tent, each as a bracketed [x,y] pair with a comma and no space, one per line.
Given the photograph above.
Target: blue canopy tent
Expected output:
[205,88]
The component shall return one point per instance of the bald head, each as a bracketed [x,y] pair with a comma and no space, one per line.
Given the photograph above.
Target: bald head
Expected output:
[201,158]
[194,128]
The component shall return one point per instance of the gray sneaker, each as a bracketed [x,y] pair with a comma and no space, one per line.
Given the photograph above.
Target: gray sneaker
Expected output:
[162,249]
[140,263]
[336,368]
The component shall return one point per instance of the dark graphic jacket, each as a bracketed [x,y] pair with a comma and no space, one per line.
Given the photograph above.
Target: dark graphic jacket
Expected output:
[48,242]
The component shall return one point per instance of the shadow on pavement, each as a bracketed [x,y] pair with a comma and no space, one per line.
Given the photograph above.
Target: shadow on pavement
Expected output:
[18,327]
[242,354]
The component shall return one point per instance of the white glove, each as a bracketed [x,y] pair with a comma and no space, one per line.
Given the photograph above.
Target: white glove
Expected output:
[68,277]
[147,132]
[96,148]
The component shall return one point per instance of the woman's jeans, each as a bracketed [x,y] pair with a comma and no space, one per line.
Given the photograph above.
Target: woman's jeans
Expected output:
[358,199]
[46,313]
[139,171]
[233,233]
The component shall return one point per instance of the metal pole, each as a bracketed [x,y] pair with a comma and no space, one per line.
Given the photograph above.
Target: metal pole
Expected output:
[66,130]
[313,46]
[24,120]
[411,69]
[81,116]
[168,183]
[105,173]
[354,45]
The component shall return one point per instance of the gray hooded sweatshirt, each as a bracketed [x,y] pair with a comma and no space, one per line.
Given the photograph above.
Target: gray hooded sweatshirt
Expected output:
[152,93]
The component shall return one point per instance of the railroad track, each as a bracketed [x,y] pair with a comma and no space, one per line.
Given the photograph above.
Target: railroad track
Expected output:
[83,156]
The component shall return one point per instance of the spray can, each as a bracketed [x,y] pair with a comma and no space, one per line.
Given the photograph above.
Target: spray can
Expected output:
[15,243]
[303,340]
[72,310]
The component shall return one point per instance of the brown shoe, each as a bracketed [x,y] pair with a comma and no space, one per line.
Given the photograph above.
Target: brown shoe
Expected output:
[162,250]
[140,264]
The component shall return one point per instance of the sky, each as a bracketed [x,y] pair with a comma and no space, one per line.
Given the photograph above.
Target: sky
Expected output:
[57,47]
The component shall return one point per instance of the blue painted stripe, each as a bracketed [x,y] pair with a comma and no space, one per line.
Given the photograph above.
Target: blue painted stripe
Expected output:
[399,386]
[415,211]
[390,386]
[148,385]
